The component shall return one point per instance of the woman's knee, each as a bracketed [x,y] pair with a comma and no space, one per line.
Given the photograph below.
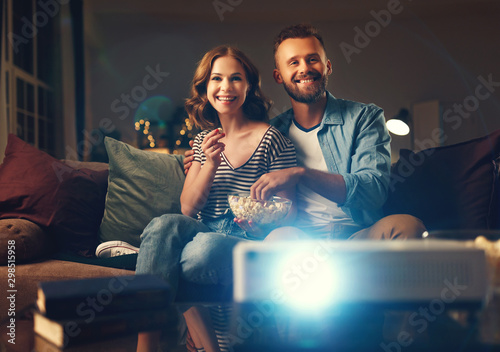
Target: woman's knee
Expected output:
[200,248]
[169,223]
[207,256]
[166,221]
[199,253]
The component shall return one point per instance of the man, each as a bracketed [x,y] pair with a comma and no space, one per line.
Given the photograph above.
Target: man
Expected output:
[343,151]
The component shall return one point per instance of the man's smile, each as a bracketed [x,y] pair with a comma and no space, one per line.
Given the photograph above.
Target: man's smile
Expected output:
[304,80]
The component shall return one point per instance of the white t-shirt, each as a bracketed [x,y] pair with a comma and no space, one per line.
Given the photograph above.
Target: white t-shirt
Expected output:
[316,214]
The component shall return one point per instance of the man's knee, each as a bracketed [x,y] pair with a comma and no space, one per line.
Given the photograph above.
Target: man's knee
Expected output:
[392,227]
[402,226]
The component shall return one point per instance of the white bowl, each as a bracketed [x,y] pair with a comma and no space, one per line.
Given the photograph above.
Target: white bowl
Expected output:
[260,212]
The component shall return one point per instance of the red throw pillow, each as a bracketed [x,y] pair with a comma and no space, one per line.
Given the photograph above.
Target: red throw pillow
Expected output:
[67,202]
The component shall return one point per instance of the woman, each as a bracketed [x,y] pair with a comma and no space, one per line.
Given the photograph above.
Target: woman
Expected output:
[225,93]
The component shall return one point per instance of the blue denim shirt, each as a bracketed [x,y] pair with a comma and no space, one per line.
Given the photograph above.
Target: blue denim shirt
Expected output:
[355,144]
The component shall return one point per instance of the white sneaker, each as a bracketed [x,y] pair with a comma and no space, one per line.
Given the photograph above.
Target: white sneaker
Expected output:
[115,248]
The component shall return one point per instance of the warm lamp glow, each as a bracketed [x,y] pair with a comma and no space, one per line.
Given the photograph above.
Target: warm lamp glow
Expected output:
[398,127]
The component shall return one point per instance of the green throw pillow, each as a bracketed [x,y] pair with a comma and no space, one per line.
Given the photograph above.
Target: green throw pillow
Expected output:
[142,185]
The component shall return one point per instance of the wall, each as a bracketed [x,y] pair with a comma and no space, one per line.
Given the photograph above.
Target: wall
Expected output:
[412,59]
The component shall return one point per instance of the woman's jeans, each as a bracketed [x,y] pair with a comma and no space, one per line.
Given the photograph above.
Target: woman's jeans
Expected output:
[174,245]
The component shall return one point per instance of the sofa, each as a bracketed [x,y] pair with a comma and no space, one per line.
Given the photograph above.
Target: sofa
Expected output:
[56,212]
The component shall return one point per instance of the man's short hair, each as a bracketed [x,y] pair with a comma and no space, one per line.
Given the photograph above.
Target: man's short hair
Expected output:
[302,30]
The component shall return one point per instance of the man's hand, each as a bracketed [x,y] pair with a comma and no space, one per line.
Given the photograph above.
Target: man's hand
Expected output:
[188,160]
[276,181]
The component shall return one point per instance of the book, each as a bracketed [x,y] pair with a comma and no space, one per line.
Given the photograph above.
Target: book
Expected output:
[85,298]
[66,333]
[126,343]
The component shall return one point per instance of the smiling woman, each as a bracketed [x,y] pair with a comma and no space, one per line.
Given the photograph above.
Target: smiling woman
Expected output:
[225,93]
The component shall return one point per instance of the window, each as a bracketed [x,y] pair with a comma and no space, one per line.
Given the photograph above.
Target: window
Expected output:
[30,72]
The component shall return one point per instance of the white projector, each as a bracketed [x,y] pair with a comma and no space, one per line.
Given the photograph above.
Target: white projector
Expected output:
[321,273]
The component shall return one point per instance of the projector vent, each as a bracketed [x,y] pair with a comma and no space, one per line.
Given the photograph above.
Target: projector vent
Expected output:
[429,273]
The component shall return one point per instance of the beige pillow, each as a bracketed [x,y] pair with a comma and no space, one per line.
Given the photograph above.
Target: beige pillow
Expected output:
[141,185]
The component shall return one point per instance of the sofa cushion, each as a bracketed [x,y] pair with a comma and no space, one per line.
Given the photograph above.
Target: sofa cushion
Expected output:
[142,185]
[66,202]
[451,187]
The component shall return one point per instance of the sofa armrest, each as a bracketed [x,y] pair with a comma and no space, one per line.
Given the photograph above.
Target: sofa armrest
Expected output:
[22,240]
[27,277]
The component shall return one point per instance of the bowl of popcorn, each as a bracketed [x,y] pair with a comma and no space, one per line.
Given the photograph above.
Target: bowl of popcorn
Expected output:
[260,212]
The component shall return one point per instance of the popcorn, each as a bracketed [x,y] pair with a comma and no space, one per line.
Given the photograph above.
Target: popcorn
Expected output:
[261,212]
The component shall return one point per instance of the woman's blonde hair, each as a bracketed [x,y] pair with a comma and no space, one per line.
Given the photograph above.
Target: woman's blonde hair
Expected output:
[199,109]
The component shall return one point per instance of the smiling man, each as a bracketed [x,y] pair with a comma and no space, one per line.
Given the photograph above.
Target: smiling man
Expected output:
[304,69]
[343,151]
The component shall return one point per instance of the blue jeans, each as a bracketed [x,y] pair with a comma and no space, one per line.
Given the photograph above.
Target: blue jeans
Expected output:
[173,245]
[208,258]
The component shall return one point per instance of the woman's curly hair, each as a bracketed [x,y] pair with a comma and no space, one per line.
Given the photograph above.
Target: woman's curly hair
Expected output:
[199,109]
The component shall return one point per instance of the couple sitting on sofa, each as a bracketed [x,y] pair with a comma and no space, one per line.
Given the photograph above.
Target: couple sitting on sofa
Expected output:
[340,172]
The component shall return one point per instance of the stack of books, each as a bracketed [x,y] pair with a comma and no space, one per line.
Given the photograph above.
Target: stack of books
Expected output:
[76,313]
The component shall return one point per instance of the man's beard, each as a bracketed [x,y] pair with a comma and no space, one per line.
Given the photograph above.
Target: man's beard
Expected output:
[311,96]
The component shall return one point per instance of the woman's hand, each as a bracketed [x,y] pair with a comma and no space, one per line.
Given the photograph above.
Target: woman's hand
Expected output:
[199,180]
[251,228]
[212,147]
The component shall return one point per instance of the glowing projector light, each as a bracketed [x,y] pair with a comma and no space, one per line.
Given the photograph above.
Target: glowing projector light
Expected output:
[306,279]
[315,291]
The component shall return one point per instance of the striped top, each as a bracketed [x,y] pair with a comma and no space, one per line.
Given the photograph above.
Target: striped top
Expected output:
[274,152]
